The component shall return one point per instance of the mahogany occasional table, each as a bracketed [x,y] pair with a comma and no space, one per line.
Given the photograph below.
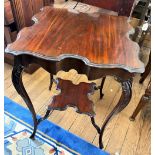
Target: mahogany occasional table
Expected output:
[96,45]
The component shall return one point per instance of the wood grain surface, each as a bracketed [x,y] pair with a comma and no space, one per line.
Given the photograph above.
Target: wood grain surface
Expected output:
[99,40]
[8,16]
[72,95]
[23,10]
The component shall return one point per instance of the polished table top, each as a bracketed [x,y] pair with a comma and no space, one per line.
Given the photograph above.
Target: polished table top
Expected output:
[98,39]
[94,44]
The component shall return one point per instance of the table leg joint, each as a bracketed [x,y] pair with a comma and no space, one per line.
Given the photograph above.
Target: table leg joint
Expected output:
[95,125]
[47,114]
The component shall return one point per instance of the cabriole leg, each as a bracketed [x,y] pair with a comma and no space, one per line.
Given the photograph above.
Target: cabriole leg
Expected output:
[123,102]
[18,84]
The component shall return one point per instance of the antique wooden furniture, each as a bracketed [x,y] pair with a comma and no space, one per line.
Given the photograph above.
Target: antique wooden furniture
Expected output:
[147,70]
[97,47]
[122,7]
[9,30]
[85,8]
[23,10]
[18,14]
[144,32]
[74,96]
[140,9]
[113,7]
[143,16]
[143,101]
[146,97]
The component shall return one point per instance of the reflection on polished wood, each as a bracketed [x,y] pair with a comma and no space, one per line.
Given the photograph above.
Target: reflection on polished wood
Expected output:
[100,40]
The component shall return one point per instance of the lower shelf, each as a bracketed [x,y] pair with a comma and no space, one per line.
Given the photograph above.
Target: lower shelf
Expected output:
[72,95]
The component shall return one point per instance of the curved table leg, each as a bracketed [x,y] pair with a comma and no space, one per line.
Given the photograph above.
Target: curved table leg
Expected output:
[101,87]
[147,70]
[51,81]
[95,125]
[18,84]
[47,114]
[140,105]
[123,102]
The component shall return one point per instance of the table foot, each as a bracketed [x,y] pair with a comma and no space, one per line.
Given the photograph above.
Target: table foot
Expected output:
[18,84]
[131,119]
[33,133]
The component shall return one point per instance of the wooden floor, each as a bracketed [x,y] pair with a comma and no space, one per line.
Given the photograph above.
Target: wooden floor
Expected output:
[121,136]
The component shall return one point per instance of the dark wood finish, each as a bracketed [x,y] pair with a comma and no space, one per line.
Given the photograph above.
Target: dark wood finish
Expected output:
[139,35]
[101,87]
[18,84]
[7,35]
[48,2]
[86,8]
[20,12]
[95,125]
[147,70]
[51,81]
[141,10]
[8,13]
[8,59]
[73,96]
[123,102]
[123,7]
[31,68]
[37,5]
[77,96]
[143,101]
[23,11]
[98,47]
[8,38]
[89,46]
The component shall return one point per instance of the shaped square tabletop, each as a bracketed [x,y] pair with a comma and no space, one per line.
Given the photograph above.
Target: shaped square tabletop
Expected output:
[98,39]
